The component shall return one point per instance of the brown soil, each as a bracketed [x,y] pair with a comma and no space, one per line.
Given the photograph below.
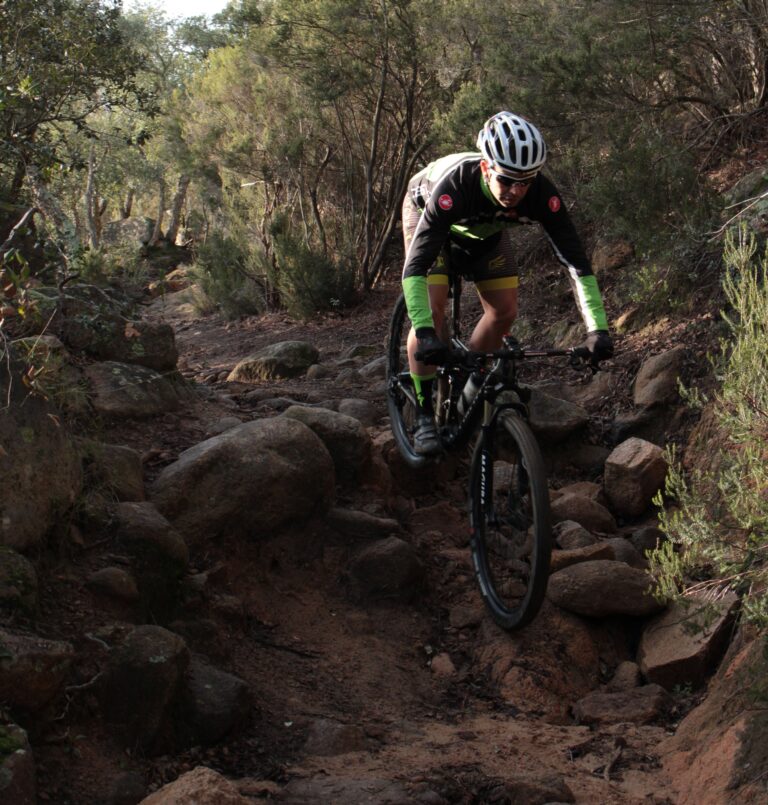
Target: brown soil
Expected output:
[282,619]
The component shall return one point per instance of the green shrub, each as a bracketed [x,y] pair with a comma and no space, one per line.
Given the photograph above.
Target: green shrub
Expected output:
[717,519]
[309,281]
[229,277]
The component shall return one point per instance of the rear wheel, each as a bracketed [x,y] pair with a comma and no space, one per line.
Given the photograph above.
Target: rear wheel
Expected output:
[401,395]
[511,532]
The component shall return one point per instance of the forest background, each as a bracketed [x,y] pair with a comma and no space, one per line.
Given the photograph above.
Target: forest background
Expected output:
[277,138]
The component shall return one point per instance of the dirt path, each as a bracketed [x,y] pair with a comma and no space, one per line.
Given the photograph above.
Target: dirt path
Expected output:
[351,704]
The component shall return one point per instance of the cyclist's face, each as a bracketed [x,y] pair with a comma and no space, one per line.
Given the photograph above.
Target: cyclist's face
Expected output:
[508,192]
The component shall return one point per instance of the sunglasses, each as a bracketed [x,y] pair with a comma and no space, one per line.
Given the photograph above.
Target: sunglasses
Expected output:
[508,181]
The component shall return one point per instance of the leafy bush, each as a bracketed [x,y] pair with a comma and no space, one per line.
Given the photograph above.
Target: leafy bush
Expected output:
[229,277]
[717,521]
[308,280]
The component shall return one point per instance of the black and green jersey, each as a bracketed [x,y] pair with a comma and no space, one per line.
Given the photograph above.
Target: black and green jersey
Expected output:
[457,205]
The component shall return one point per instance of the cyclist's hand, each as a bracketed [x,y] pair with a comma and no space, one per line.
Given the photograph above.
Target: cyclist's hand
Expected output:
[600,345]
[429,348]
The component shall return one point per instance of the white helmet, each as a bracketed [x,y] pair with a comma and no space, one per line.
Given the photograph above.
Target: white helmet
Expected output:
[512,144]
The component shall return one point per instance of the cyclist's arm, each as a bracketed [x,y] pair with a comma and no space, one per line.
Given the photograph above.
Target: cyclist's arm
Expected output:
[432,231]
[569,250]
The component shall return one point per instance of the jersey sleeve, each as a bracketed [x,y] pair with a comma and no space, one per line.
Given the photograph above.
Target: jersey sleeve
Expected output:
[444,207]
[567,246]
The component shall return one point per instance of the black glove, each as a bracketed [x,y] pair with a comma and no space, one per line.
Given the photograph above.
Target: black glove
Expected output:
[429,348]
[600,344]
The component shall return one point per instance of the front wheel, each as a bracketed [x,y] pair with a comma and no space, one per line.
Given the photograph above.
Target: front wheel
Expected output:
[511,532]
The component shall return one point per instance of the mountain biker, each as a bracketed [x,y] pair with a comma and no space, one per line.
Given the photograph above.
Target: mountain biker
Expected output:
[464,202]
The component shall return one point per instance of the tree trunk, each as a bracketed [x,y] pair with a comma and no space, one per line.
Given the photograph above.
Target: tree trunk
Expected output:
[158,231]
[176,207]
[49,206]
[91,201]
[127,208]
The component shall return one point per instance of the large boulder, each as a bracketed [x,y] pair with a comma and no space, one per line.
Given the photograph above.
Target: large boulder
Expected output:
[285,359]
[123,390]
[247,482]
[634,473]
[141,685]
[39,465]
[603,587]
[683,645]
[553,419]
[656,382]
[584,510]
[348,442]
[719,752]
[114,338]
[32,670]
[131,232]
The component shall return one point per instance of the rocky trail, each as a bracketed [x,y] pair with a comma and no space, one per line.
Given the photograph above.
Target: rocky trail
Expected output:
[327,643]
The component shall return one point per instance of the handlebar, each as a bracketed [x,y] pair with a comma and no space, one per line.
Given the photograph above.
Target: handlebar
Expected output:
[461,357]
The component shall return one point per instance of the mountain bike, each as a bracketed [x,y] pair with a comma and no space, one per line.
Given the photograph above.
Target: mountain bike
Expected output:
[510,528]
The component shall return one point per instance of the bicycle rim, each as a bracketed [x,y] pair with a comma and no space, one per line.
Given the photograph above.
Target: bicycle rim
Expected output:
[511,533]
[400,392]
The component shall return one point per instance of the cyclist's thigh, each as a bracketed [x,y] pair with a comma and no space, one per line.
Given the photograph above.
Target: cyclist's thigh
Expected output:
[495,270]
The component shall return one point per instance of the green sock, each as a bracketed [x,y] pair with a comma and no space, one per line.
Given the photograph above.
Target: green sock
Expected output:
[423,388]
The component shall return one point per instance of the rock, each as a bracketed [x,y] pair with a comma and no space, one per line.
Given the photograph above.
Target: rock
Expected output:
[285,359]
[221,425]
[442,666]
[584,511]
[345,438]
[552,419]
[17,767]
[147,534]
[634,473]
[569,535]
[683,645]
[462,616]
[544,667]
[159,555]
[120,390]
[361,526]
[131,232]
[326,738]
[647,538]
[638,706]
[656,382]
[201,786]
[32,670]
[602,588]
[39,466]
[114,582]
[561,559]
[388,568]
[625,551]
[213,702]
[109,337]
[586,489]
[626,676]
[141,684]
[18,583]
[115,468]
[377,368]
[247,482]
[719,752]
[362,410]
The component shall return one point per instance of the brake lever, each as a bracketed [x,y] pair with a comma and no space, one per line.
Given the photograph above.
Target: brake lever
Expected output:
[581,356]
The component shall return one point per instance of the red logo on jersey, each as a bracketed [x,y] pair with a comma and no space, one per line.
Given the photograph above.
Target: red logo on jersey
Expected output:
[445,202]
[554,204]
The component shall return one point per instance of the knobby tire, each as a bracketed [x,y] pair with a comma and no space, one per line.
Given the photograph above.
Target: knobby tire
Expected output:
[511,535]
